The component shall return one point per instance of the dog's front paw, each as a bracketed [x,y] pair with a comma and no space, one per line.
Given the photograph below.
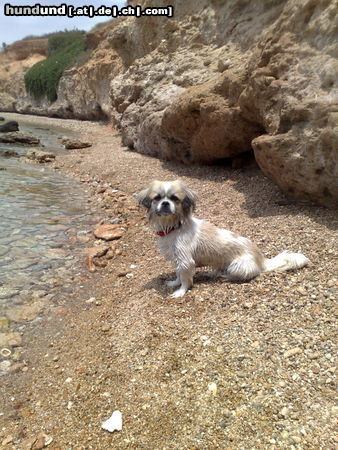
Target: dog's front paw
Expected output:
[173,283]
[179,293]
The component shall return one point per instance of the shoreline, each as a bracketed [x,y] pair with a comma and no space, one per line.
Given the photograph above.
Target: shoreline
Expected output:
[124,345]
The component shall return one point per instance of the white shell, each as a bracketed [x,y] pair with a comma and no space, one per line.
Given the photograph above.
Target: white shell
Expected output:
[114,423]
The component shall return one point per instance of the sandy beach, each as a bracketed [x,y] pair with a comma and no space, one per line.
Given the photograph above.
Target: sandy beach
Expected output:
[230,365]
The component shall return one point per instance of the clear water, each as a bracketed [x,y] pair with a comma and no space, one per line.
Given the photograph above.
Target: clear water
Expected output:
[41,212]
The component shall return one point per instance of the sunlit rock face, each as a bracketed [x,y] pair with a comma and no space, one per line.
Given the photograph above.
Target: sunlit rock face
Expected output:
[229,78]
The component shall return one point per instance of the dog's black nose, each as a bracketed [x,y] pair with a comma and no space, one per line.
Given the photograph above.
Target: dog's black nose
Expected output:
[165,204]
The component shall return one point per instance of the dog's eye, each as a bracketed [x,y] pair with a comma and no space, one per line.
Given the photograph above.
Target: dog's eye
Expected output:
[174,198]
[158,197]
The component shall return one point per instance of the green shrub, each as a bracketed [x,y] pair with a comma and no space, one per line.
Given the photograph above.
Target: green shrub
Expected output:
[42,79]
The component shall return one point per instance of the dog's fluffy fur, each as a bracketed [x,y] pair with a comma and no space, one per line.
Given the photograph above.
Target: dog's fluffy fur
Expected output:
[189,242]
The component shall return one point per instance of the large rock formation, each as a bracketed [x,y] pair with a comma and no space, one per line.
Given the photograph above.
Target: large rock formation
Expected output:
[15,60]
[218,79]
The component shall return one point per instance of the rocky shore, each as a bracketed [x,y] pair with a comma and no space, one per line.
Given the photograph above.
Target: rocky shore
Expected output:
[233,366]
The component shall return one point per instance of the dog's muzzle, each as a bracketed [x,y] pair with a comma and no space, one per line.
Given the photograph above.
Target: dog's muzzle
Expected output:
[164,209]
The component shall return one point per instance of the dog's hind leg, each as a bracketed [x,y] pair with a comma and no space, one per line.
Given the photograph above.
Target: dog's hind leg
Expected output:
[243,268]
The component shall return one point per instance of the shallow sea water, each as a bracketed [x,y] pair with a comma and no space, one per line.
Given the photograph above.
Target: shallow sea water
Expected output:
[41,214]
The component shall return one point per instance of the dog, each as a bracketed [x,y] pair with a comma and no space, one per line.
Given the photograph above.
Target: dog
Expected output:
[189,242]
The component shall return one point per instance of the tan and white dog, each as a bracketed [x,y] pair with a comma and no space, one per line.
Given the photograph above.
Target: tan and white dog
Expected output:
[189,242]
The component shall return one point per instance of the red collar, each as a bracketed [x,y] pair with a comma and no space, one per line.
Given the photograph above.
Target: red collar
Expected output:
[168,230]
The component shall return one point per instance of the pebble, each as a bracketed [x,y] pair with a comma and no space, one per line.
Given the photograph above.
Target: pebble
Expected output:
[105,327]
[296,439]
[4,367]
[284,412]
[292,352]
[7,293]
[17,367]
[5,352]
[7,441]
[212,388]
[4,323]
[284,434]
[11,339]
[314,355]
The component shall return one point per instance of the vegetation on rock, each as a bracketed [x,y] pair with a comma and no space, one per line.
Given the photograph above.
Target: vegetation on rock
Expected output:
[42,79]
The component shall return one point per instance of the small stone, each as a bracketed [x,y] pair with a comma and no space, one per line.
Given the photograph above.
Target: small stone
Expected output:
[114,423]
[17,367]
[11,339]
[334,410]
[7,441]
[292,352]
[5,352]
[121,274]
[108,232]
[40,156]
[212,388]
[105,327]
[74,143]
[284,412]
[7,293]
[223,65]
[296,439]
[4,367]
[94,252]
[4,323]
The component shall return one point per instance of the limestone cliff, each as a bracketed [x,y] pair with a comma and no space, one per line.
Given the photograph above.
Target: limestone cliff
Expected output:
[218,79]
[14,62]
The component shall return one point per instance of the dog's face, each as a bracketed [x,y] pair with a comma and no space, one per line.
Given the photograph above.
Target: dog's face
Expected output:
[167,202]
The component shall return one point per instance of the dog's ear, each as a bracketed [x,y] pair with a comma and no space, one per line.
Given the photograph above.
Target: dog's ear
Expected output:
[189,200]
[144,199]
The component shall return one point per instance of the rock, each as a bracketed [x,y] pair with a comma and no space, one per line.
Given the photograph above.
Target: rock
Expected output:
[100,263]
[24,312]
[4,367]
[12,125]
[94,252]
[7,293]
[8,439]
[2,119]
[40,156]
[210,88]
[38,442]
[292,352]
[9,153]
[75,143]
[108,232]
[5,352]
[4,323]
[114,423]
[17,367]
[16,137]
[10,339]
[201,127]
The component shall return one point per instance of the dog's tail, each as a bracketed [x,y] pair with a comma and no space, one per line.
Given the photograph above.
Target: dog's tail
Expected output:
[286,261]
